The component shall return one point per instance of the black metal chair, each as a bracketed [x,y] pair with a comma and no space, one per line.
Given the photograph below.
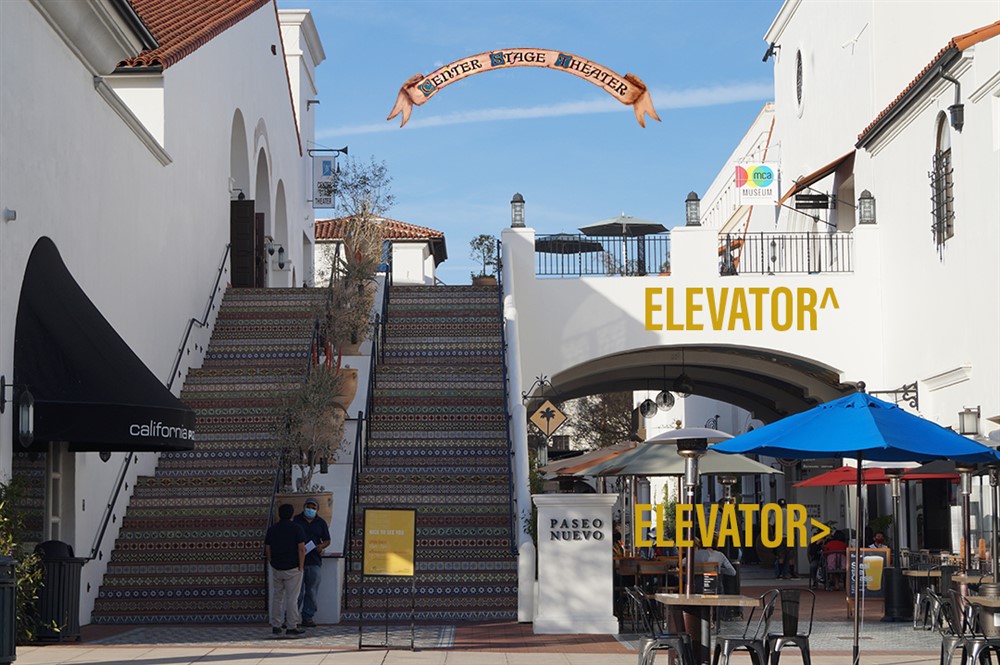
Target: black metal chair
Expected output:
[790,635]
[966,619]
[656,638]
[949,624]
[926,609]
[754,636]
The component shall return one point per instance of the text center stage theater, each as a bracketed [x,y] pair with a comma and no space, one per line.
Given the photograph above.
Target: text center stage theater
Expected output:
[89,387]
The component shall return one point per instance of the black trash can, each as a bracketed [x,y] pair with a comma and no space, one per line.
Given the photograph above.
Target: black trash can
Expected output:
[8,609]
[58,602]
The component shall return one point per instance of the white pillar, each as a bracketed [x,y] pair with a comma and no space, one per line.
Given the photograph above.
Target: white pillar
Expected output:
[575,566]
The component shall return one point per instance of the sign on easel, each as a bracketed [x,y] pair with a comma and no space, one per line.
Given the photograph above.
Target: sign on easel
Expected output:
[873,562]
[389,551]
[389,542]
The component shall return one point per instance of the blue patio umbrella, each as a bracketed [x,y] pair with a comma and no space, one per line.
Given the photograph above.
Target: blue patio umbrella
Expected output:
[863,427]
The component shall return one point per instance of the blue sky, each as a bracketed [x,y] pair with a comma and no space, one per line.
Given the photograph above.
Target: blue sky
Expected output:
[574,153]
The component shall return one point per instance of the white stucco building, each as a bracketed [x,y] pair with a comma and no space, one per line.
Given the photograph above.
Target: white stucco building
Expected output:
[130,131]
[416,250]
[865,109]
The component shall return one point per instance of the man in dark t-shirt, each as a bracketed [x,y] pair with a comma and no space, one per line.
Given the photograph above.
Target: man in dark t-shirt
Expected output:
[318,533]
[284,546]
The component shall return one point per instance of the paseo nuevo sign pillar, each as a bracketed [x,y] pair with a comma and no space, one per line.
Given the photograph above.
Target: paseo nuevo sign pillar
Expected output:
[575,568]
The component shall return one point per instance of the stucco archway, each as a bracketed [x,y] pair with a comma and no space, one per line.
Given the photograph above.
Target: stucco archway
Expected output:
[262,190]
[768,384]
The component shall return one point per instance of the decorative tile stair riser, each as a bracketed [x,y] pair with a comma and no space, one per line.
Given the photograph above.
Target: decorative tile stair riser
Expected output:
[190,549]
[438,445]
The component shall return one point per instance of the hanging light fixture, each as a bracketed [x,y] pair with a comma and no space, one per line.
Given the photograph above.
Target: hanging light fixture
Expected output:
[683,385]
[648,408]
[25,411]
[665,399]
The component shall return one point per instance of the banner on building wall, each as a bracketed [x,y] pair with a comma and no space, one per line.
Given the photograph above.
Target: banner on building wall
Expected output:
[389,542]
[756,184]
[627,89]
[324,178]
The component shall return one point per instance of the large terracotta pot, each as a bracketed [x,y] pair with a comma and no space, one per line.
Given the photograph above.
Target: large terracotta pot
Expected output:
[298,500]
[348,388]
[484,281]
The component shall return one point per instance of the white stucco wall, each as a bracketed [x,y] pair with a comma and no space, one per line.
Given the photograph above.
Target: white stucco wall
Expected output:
[938,317]
[143,239]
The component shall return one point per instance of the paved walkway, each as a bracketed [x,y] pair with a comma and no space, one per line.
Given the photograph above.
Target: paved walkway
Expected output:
[466,644]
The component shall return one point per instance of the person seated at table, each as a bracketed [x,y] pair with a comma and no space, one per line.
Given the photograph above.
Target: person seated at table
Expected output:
[711,555]
[878,541]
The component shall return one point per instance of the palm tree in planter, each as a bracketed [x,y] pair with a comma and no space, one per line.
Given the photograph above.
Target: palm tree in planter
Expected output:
[311,434]
[483,250]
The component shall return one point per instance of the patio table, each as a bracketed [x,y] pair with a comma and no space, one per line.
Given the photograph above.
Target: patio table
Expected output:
[696,610]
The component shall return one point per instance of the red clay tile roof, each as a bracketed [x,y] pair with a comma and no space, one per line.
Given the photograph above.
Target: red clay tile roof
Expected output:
[182,26]
[333,229]
[953,47]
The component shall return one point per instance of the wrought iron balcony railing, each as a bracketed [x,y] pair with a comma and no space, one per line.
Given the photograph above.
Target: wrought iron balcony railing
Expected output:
[576,255]
[777,253]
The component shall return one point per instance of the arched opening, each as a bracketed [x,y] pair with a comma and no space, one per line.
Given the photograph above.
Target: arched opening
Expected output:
[262,214]
[239,157]
[280,273]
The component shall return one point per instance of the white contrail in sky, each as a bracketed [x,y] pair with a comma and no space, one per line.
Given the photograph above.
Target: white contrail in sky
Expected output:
[663,99]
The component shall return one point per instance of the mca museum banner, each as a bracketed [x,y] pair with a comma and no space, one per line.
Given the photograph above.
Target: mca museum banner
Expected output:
[756,184]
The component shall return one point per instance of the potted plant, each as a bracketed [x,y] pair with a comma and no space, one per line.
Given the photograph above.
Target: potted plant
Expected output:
[311,432]
[363,196]
[483,250]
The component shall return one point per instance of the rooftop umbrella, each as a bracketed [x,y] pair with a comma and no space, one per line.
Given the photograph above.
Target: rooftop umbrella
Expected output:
[624,226]
[566,243]
[863,427]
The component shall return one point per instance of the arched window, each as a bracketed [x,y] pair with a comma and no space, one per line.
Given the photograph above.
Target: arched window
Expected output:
[942,196]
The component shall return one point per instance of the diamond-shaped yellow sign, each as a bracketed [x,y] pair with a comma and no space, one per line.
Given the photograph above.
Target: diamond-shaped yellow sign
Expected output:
[548,418]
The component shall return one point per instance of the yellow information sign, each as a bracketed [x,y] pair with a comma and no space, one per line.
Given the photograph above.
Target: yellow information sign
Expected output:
[389,542]
[548,418]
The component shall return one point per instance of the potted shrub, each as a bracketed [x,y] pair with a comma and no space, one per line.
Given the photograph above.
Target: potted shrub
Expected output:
[311,433]
[347,317]
[483,250]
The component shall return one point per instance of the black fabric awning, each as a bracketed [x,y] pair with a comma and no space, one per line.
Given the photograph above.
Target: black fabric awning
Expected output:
[90,388]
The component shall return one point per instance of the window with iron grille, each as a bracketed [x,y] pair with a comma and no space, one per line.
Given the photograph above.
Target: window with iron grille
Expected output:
[942,196]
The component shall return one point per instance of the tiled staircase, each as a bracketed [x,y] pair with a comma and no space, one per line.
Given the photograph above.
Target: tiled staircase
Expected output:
[190,549]
[438,445]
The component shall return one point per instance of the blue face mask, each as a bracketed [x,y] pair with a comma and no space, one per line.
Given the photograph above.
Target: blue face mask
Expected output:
[309,512]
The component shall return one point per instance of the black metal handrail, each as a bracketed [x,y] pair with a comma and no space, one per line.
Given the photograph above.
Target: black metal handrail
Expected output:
[506,407]
[174,373]
[201,323]
[352,505]
[783,253]
[577,255]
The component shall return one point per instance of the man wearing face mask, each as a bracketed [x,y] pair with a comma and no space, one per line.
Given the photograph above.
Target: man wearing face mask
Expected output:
[317,533]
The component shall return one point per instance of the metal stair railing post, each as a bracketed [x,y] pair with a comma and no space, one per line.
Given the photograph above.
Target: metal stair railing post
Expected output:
[174,373]
[506,397]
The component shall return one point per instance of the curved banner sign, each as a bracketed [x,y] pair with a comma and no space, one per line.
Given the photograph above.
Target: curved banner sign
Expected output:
[628,89]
